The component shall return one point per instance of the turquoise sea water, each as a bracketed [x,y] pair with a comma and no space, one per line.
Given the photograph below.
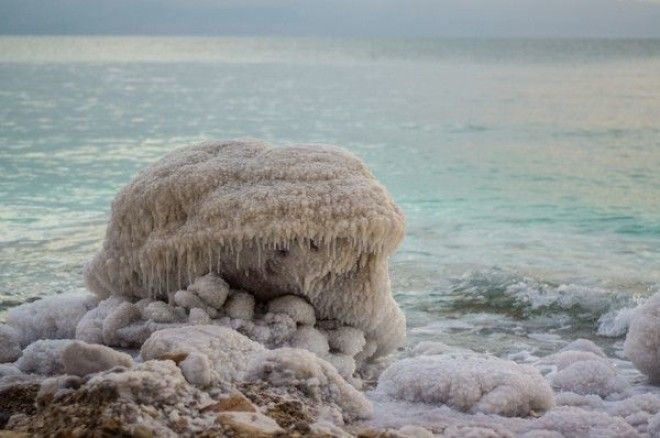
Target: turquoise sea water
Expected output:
[529,171]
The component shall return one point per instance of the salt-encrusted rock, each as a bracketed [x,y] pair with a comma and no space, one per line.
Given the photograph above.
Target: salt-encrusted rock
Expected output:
[9,369]
[10,346]
[235,401]
[468,382]
[190,300]
[584,345]
[310,339]
[80,358]
[654,425]
[240,306]
[576,422]
[43,357]
[297,308]
[123,316]
[343,363]
[642,344]
[304,220]
[52,317]
[90,326]
[249,424]
[198,316]
[583,372]
[590,377]
[212,289]
[294,368]
[197,370]
[346,340]
[151,399]
[159,311]
[227,350]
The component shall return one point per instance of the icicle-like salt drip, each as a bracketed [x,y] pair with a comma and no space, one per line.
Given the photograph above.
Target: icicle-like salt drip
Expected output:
[210,254]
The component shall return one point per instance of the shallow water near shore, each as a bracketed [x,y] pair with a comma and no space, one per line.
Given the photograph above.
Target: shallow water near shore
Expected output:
[528,170]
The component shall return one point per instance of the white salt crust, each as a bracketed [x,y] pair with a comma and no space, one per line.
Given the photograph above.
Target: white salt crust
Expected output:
[305,220]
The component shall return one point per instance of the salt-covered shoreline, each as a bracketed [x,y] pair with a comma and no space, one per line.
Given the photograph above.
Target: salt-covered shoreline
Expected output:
[244,291]
[205,377]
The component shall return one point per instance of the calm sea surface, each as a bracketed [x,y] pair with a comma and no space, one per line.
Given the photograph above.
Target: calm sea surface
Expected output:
[529,171]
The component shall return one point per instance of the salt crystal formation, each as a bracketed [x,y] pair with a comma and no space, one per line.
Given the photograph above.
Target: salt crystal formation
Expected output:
[309,221]
[53,317]
[469,382]
[642,344]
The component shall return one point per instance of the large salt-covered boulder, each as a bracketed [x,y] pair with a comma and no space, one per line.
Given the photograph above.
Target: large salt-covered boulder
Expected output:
[305,220]
[468,382]
[227,350]
[642,344]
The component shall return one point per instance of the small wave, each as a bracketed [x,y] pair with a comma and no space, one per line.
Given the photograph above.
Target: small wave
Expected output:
[498,290]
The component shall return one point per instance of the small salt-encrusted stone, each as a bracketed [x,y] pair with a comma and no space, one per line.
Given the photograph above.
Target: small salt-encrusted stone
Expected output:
[198,316]
[310,339]
[10,347]
[196,368]
[212,289]
[159,311]
[240,306]
[297,308]
[80,358]
[347,340]
[235,401]
[343,363]
[190,300]
[249,423]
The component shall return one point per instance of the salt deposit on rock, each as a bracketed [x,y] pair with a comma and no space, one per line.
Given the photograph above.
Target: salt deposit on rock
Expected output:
[198,316]
[584,345]
[8,369]
[590,377]
[52,317]
[212,289]
[80,358]
[615,323]
[152,399]
[10,346]
[346,340]
[583,372]
[576,422]
[197,369]
[240,306]
[343,363]
[468,382]
[642,344]
[227,350]
[159,311]
[310,339]
[190,300]
[304,220]
[90,326]
[297,308]
[43,357]
[295,368]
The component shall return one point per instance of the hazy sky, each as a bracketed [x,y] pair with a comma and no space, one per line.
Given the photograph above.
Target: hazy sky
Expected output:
[388,18]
